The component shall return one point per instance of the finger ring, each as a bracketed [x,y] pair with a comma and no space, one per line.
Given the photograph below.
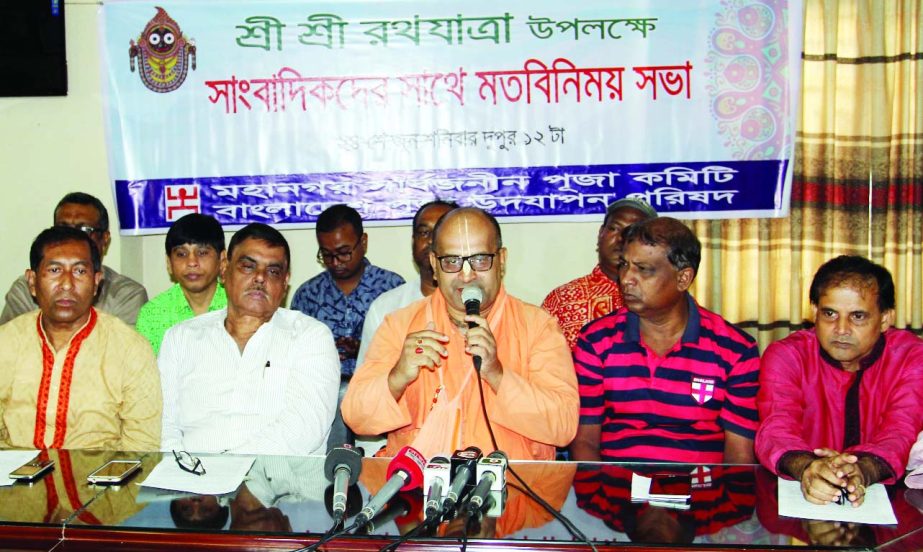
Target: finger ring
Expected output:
[419,350]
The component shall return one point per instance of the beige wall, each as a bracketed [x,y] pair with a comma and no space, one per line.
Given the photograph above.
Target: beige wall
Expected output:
[51,146]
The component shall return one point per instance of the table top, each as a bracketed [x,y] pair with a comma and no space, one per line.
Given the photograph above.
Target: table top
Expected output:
[730,506]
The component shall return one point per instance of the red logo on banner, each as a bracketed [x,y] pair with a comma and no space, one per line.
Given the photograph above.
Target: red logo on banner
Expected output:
[181,200]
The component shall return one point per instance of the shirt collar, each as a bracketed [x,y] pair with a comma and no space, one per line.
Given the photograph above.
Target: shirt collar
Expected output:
[690,334]
[365,275]
[599,274]
[44,337]
[864,362]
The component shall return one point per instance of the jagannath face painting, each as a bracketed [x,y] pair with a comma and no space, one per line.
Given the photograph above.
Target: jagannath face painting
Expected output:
[164,54]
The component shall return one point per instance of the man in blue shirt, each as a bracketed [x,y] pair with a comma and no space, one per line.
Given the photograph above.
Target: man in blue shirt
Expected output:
[340,296]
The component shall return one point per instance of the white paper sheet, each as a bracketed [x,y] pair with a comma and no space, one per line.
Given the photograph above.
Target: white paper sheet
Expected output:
[641,492]
[875,510]
[223,474]
[12,459]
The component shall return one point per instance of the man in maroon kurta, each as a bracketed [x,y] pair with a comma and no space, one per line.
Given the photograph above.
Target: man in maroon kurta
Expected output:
[840,404]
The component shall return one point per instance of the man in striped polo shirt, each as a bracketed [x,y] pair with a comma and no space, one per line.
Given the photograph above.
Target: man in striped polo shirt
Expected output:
[663,379]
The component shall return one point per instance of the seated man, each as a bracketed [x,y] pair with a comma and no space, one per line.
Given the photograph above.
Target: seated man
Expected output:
[118,295]
[341,295]
[663,379]
[70,376]
[253,378]
[840,403]
[597,294]
[195,249]
[419,381]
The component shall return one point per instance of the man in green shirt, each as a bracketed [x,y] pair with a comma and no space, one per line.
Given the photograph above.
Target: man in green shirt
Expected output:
[195,249]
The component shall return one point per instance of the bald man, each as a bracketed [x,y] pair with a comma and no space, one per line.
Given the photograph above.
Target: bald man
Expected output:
[419,383]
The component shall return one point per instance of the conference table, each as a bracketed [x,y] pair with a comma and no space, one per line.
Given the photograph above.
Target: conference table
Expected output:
[283,504]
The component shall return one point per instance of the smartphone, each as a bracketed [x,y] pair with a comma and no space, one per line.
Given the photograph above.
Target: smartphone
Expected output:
[33,470]
[114,472]
[671,485]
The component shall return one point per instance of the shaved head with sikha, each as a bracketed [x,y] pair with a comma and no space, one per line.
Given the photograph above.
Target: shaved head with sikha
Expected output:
[466,232]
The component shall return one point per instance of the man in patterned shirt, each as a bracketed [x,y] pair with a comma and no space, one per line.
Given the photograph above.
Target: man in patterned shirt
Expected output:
[597,294]
[341,295]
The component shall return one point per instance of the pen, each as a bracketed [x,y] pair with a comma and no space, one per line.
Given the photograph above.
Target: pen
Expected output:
[844,496]
[264,368]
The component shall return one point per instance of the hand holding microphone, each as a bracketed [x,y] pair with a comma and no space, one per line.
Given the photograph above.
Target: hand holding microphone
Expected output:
[479,340]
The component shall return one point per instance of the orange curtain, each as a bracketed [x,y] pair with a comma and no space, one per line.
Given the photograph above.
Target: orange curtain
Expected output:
[857,174]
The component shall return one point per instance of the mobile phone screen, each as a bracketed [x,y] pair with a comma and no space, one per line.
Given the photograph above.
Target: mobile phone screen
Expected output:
[114,471]
[671,484]
[32,469]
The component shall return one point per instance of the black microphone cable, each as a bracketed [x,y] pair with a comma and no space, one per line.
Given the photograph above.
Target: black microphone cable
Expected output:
[575,532]
[329,536]
[416,531]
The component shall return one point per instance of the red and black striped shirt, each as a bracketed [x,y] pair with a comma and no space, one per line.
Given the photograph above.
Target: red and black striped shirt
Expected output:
[674,408]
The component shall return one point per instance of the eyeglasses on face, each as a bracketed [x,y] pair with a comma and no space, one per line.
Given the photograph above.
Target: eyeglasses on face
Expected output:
[481,262]
[189,463]
[86,229]
[326,257]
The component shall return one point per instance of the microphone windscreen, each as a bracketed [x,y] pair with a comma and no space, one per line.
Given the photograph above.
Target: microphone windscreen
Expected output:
[472,292]
[350,456]
[410,461]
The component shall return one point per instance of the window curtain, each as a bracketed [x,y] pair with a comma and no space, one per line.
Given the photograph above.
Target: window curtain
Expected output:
[857,175]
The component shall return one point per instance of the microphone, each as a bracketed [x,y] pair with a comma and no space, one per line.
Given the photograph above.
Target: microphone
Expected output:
[464,464]
[436,476]
[396,508]
[353,501]
[471,296]
[491,472]
[342,467]
[405,473]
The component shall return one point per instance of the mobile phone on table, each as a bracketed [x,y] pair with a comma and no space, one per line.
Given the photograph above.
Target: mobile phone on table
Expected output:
[31,471]
[114,472]
[671,484]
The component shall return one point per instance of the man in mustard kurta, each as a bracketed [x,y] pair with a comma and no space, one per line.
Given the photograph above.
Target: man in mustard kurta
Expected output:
[71,376]
[419,384]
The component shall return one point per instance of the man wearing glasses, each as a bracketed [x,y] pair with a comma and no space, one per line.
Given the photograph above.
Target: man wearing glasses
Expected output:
[419,383]
[341,295]
[118,295]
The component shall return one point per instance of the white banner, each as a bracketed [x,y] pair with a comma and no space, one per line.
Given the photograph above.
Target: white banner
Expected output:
[272,111]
